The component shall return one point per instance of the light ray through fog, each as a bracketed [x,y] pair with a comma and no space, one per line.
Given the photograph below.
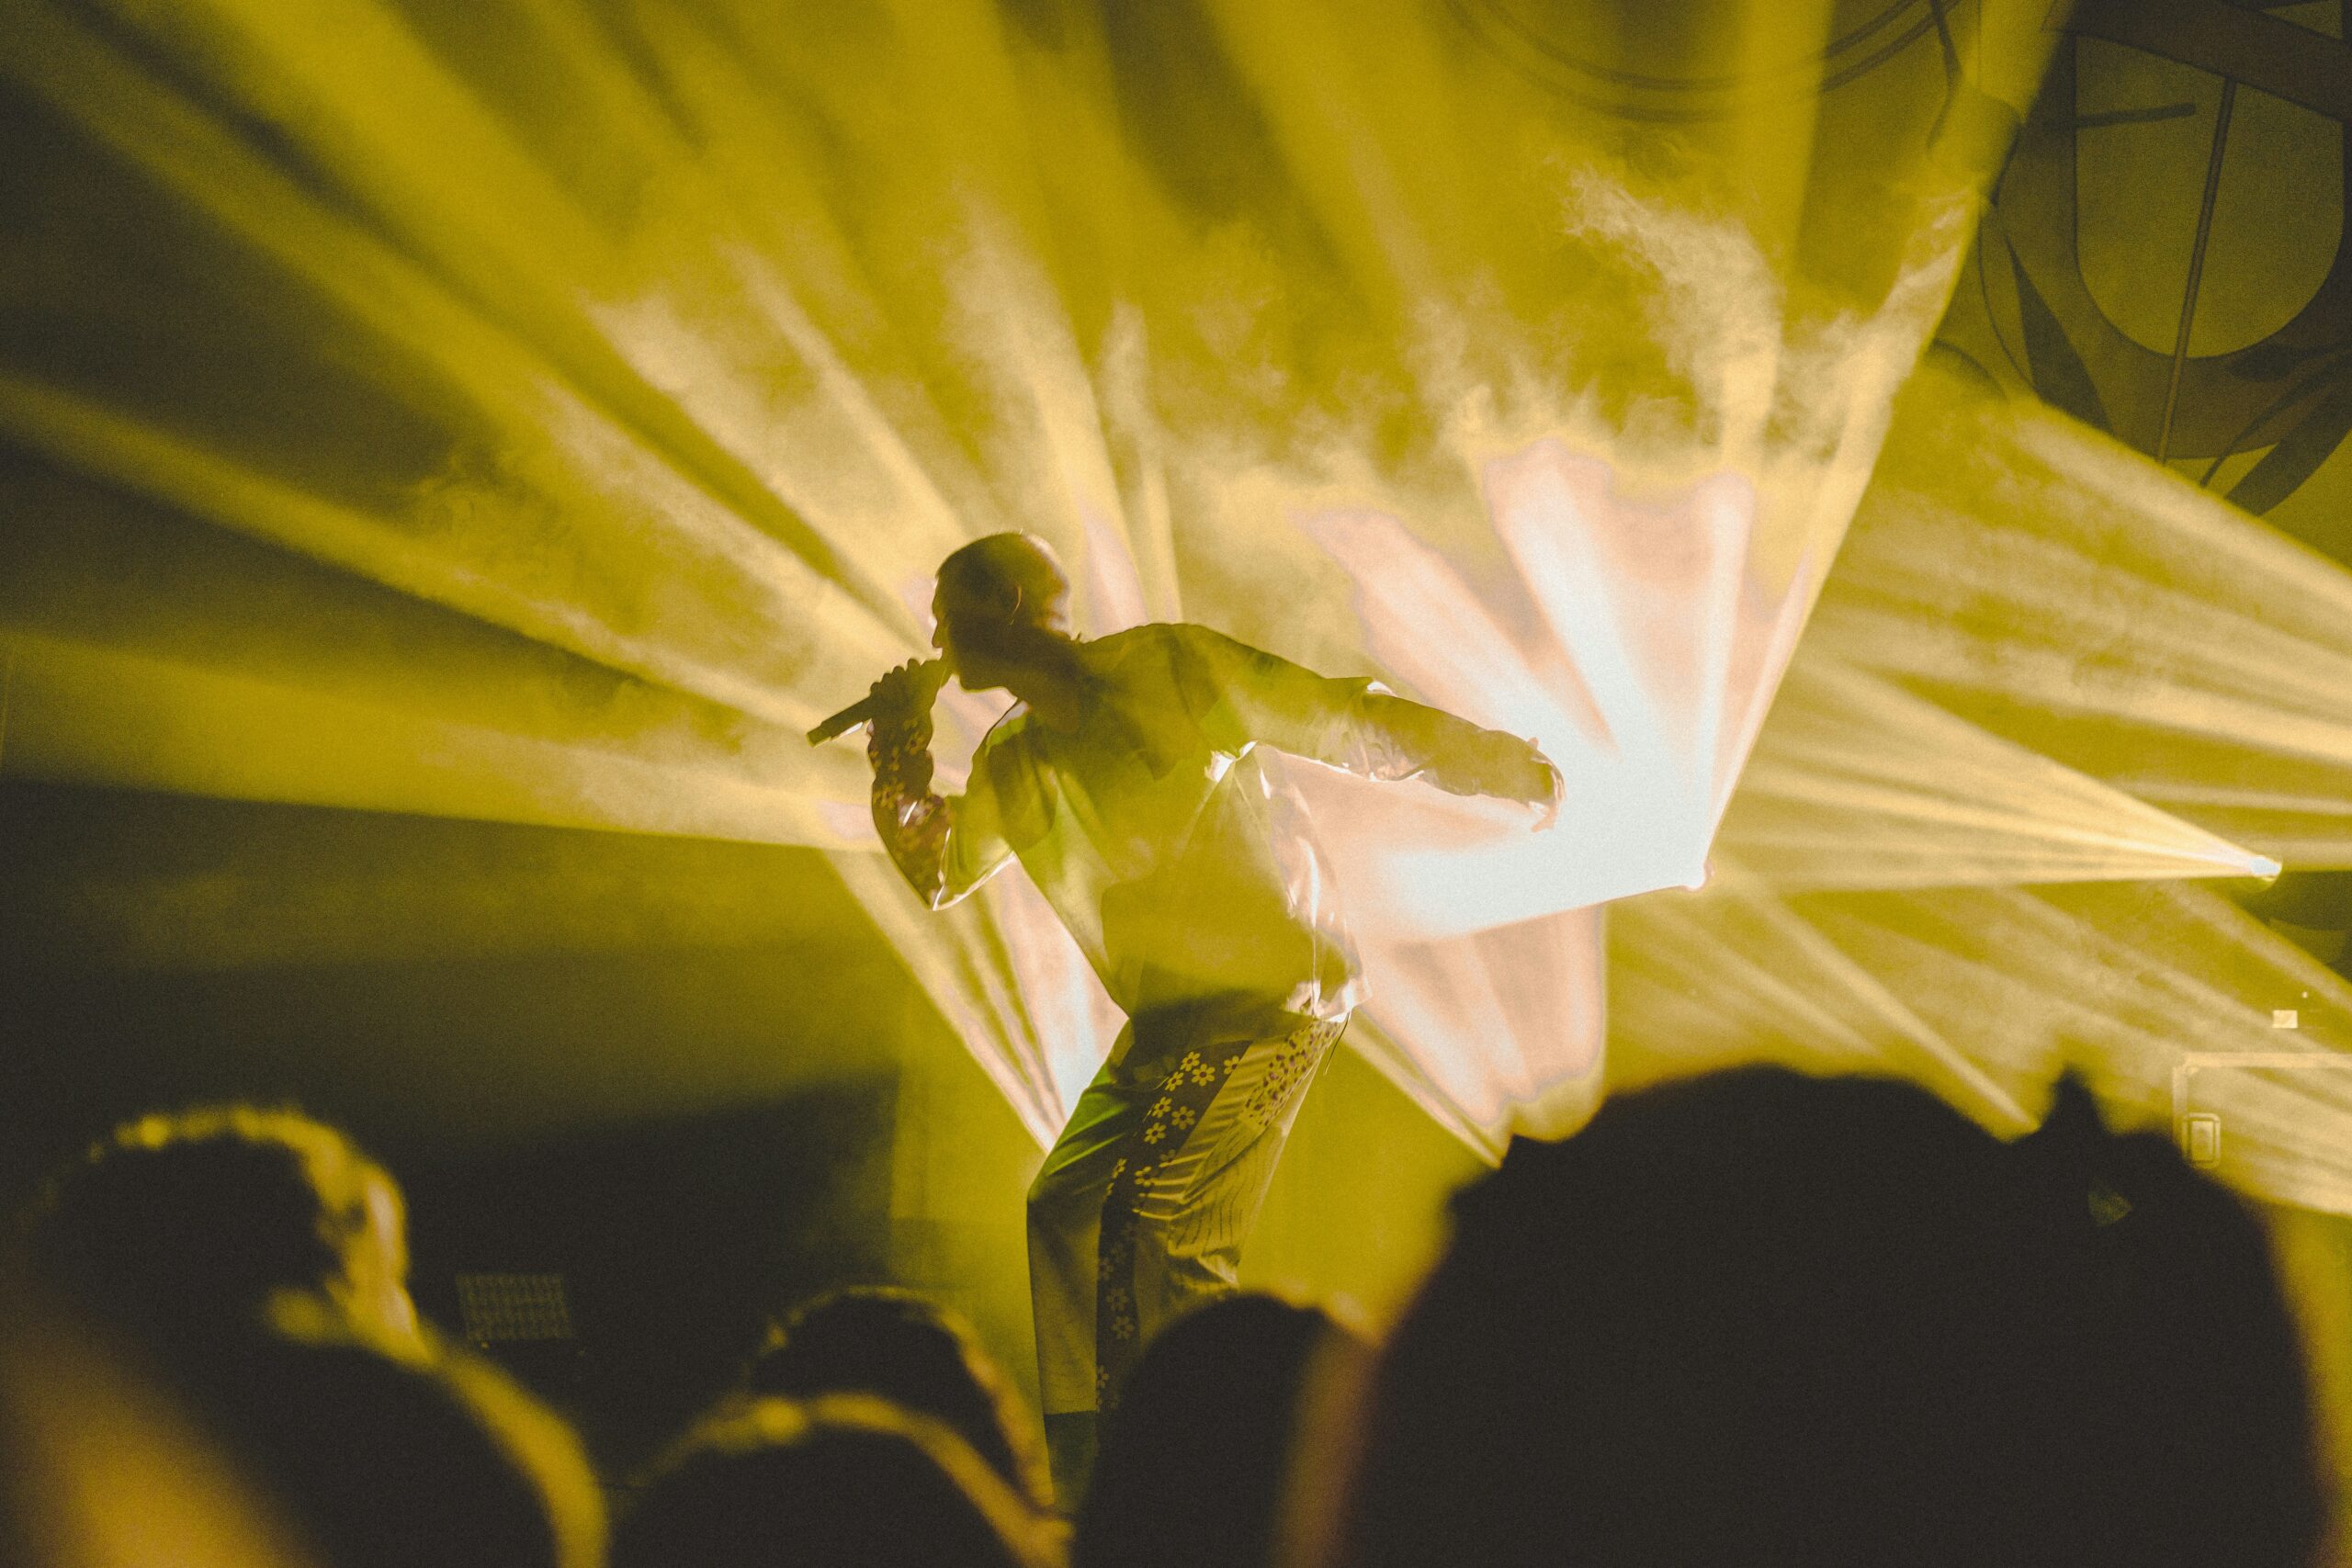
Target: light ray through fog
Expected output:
[557,455]
[1858,783]
[2056,589]
[1737,965]
[2118,981]
[710,352]
[564,613]
[96,714]
[689,350]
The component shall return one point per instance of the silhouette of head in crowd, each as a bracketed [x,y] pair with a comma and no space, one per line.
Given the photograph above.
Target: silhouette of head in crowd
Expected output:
[256,1261]
[385,1460]
[1758,1318]
[178,1226]
[917,1355]
[844,1481]
[1193,1461]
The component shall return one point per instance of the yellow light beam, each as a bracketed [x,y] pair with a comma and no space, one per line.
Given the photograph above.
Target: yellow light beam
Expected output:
[500,235]
[1858,783]
[2052,587]
[2121,980]
[87,713]
[474,569]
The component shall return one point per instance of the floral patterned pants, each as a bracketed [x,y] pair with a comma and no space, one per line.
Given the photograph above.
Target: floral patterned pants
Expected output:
[1141,1208]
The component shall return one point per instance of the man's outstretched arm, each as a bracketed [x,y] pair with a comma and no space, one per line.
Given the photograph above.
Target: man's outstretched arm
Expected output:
[944,847]
[1358,725]
[1388,736]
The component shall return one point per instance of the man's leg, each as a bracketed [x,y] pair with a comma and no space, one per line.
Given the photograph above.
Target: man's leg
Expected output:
[1139,1211]
[1187,1191]
[1064,1225]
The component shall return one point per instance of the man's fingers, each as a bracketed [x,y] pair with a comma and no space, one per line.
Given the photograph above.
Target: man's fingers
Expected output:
[899,687]
[1547,806]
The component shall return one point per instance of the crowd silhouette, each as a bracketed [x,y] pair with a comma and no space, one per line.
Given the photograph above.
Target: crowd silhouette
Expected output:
[1752,1318]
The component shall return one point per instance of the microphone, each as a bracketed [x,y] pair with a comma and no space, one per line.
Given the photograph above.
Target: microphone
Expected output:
[929,675]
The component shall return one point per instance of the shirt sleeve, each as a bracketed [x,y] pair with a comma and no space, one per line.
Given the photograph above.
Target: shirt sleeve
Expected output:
[1242,696]
[945,847]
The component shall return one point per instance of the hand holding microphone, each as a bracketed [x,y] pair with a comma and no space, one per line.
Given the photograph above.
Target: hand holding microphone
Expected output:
[904,693]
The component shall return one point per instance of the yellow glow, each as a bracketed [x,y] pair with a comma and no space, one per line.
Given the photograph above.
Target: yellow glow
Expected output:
[2106,614]
[1858,783]
[710,347]
[623,372]
[1998,988]
[113,1470]
[106,716]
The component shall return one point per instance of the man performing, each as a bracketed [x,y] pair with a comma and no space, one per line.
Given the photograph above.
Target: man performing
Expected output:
[1124,781]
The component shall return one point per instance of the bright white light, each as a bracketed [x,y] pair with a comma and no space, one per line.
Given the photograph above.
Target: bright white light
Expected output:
[1639,604]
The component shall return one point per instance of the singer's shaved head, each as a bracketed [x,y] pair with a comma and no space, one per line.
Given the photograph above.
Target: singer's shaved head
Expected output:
[1004,576]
